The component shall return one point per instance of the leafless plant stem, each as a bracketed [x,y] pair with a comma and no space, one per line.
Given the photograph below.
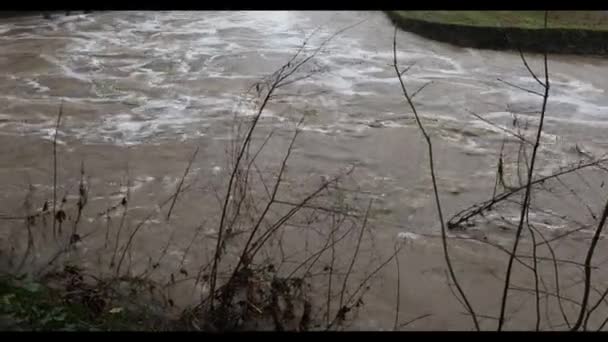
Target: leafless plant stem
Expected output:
[55,168]
[414,320]
[28,226]
[398,299]
[244,257]
[181,182]
[433,178]
[515,134]
[354,258]
[330,276]
[525,204]
[535,273]
[479,208]
[556,273]
[590,251]
[125,207]
[82,202]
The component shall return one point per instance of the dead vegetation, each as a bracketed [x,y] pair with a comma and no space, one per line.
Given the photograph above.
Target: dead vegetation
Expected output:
[257,267]
[501,204]
[251,280]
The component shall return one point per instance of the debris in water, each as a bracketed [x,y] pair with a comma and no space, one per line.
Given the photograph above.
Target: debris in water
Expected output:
[405,236]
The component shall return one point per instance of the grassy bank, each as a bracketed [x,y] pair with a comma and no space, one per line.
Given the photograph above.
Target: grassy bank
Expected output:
[569,32]
[577,20]
[27,304]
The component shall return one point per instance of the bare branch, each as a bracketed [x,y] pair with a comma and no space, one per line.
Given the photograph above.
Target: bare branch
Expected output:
[398,299]
[596,237]
[520,88]
[245,259]
[356,252]
[525,205]
[594,307]
[535,272]
[479,208]
[523,59]
[556,273]
[407,69]
[181,182]
[517,135]
[435,190]
[414,320]
[421,89]
[82,202]
[55,167]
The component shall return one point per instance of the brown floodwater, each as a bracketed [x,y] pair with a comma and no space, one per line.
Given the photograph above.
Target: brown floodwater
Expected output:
[142,90]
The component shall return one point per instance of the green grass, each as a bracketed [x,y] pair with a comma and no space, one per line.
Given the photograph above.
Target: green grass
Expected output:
[29,305]
[588,20]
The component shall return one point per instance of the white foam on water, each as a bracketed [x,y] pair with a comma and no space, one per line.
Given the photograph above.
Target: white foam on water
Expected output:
[408,236]
[219,74]
[568,91]
[37,86]
[546,138]
[317,129]
[66,69]
[49,134]
[130,41]
[583,106]
[581,122]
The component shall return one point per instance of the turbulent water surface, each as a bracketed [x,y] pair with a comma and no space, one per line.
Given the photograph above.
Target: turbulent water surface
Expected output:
[140,90]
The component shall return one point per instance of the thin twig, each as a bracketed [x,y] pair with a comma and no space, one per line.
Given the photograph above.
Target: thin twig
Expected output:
[594,307]
[477,209]
[561,236]
[125,207]
[535,273]
[414,320]
[281,221]
[369,276]
[355,253]
[82,202]
[129,242]
[433,178]
[196,232]
[527,194]
[523,289]
[398,299]
[28,226]
[420,89]
[330,276]
[181,182]
[245,259]
[556,273]
[517,135]
[523,59]
[596,237]
[55,168]
[317,255]
[578,198]
[603,324]
[520,88]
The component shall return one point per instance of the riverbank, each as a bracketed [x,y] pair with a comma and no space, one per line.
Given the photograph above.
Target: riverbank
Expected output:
[17,14]
[580,32]
[68,303]
[14,14]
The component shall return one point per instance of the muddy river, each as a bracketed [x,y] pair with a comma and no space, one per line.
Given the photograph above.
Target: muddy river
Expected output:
[141,90]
